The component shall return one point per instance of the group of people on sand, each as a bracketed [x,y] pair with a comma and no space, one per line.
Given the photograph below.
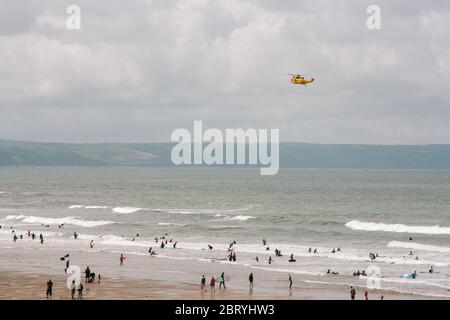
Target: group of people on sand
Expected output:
[221,280]
[74,287]
[212,283]
[366,294]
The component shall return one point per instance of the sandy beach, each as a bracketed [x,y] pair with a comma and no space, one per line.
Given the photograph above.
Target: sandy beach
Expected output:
[124,282]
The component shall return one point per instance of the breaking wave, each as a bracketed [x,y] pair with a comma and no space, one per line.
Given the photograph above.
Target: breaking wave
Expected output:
[402,228]
[418,246]
[58,221]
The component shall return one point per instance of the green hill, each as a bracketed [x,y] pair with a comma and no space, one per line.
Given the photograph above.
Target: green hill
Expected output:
[293,155]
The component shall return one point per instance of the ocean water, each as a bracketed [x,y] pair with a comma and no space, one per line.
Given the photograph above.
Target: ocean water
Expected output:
[357,211]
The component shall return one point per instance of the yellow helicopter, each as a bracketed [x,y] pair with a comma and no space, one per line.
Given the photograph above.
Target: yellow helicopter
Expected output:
[298,79]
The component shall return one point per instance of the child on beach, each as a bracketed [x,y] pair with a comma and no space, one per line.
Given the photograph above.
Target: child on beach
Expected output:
[121,258]
[212,284]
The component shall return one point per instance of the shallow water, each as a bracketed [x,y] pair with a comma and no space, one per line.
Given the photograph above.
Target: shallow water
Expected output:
[358,211]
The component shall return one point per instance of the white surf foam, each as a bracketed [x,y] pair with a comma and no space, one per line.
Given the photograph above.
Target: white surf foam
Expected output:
[169,224]
[401,228]
[242,218]
[418,246]
[217,212]
[126,210]
[58,221]
[78,206]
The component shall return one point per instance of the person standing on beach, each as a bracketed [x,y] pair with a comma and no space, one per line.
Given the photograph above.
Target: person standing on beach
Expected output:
[72,289]
[366,295]
[87,273]
[352,293]
[80,291]
[290,282]
[212,284]
[250,280]
[48,294]
[222,281]
[121,259]
[203,283]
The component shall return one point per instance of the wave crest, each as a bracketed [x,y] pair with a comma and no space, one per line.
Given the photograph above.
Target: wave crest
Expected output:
[400,228]
[58,221]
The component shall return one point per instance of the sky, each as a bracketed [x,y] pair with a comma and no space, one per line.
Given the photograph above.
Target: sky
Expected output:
[137,70]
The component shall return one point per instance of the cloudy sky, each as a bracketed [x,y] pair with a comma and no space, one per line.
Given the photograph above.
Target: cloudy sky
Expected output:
[137,70]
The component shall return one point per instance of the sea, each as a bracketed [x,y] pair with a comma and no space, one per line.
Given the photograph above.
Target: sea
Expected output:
[402,217]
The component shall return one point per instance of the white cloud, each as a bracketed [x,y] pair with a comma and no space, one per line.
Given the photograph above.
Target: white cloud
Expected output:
[152,66]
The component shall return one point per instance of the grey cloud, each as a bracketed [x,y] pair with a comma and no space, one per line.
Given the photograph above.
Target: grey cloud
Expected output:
[138,70]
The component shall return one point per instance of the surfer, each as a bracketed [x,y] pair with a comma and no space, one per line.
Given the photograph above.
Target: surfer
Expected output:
[431,270]
[257,259]
[210,247]
[250,280]
[91,244]
[270,260]
[291,259]
[290,281]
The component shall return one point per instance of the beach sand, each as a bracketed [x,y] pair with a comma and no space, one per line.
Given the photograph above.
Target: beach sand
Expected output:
[163,279]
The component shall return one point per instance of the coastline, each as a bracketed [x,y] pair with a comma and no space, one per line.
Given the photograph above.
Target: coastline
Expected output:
[28,281]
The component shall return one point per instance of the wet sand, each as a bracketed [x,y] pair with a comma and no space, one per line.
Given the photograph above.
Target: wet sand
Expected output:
[24,274]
